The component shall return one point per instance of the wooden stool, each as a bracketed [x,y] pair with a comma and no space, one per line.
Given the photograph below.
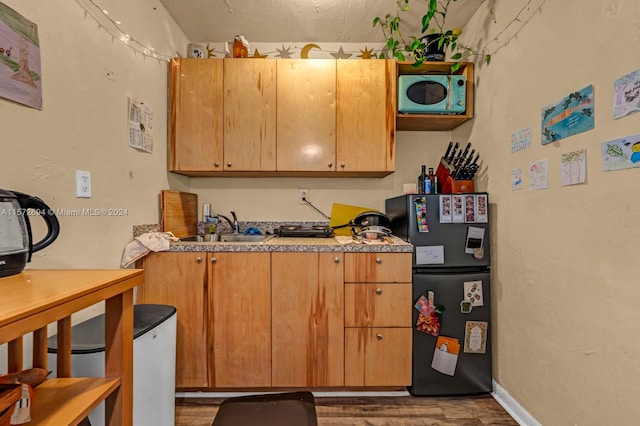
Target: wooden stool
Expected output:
[290,409]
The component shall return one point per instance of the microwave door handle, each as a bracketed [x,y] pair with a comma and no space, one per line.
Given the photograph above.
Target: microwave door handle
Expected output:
[450,93]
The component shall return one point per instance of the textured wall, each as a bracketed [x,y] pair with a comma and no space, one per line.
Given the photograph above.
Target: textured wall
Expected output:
[564,287]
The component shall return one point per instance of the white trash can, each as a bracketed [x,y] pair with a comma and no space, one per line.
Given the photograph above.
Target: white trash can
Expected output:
[154,362]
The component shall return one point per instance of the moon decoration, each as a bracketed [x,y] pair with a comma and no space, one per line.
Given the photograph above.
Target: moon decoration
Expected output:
[304,53]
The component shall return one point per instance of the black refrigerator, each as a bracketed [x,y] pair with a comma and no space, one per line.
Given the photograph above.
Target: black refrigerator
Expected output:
[451,261]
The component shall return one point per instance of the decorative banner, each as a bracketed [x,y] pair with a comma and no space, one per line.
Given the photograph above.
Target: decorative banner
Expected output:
[521,139]
[573,168]
[626,94]
[516,179]
[623,153]
[20,78]
[574,114]
[538,175]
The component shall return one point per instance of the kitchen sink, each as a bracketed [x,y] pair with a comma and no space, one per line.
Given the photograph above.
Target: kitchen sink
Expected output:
[227,238]
[241,238]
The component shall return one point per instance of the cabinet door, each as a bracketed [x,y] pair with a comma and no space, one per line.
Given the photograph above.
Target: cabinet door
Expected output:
[180,280]
[307,305]
[195,114]
[377,305]
[366,115]
[249,115]
[377,356]
[377,267]
[240,326]
[306,114]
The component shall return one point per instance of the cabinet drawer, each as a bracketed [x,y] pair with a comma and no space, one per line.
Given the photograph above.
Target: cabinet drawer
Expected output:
[377,356]
[377,305]
[377,267]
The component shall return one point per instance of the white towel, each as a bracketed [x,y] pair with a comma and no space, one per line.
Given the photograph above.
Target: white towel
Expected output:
[145,244]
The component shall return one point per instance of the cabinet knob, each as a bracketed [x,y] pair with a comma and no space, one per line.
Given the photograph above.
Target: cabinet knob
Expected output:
[214,260]
[378,260]
[198,259]
[336,259]
[229,164]
[330,164]
[379,336]
[342,165]
[216,164]
[378,291]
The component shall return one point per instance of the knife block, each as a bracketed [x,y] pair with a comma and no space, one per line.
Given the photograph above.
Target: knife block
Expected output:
[449,184]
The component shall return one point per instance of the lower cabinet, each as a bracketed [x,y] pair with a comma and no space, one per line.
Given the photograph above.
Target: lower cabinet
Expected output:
[307,294]
[378,331]
[286,319]
[180,280]
[239,320]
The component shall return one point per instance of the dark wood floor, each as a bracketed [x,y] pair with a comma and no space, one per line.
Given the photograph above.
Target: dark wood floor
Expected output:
[374,411]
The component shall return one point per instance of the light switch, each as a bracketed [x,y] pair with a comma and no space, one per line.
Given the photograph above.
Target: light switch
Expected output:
[83,184]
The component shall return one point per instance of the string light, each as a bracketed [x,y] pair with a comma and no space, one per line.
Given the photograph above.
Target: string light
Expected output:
[496,38]
[117,33]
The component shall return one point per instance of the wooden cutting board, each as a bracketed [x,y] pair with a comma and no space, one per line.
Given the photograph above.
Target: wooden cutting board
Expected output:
[179,212]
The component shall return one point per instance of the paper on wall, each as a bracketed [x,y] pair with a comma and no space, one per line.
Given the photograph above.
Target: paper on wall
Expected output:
[140,125]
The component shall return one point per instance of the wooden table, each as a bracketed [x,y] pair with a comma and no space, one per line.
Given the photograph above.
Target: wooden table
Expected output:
[32,300]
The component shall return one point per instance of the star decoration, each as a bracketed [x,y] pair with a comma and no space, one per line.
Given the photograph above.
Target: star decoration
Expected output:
[284,52]
[210,53]
[366,53]
[257,54]
[341,55]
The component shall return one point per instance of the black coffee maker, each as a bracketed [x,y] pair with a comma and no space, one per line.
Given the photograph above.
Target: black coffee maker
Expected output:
[16,244]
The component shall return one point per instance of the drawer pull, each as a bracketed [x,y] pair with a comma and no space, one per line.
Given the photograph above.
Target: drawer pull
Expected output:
[216,164]
[336,259]
[378,291]
[229,164]
[379,336]
[330,164]
[198,259]
[378,260]
[214,260]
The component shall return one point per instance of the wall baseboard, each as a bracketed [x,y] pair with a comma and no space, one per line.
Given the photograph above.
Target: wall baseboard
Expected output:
[512,406]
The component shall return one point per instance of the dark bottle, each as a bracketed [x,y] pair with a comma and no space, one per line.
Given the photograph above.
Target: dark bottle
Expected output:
[433,184]
[422,179]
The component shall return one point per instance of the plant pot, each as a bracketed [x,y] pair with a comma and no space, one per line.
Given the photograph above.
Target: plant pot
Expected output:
[431,51]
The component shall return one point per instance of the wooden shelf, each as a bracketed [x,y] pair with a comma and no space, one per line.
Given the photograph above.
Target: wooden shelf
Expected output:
[436,122]
[56,401]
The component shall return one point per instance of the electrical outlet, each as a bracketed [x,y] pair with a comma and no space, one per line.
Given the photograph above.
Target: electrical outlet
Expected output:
[83,184]
[303,194]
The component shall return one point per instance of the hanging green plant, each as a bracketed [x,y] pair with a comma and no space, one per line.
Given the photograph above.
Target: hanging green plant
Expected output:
[434,41]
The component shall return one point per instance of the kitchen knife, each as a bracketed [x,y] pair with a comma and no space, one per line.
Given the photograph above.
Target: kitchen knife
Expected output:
[464,153]
[446,154]
[468,161]
[453,153]
[475,162]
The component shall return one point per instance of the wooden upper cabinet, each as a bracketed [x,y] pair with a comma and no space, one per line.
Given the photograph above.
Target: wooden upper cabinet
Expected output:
[195,115]
[366,115]
[306,115]
[180,280]
[249,115]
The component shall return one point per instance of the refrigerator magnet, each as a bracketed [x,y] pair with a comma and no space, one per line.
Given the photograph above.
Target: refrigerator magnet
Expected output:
[473,292]
[466,306]
[421,214]
[445,355]
[475,337]
[475,239]
[445,209]
[469,208]
[458,211]
[482,210]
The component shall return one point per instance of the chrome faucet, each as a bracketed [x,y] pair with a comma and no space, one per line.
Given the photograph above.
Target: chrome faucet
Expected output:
[234,225]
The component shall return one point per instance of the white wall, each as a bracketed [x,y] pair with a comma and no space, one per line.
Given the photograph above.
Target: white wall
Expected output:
[86,78]
[564,284]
